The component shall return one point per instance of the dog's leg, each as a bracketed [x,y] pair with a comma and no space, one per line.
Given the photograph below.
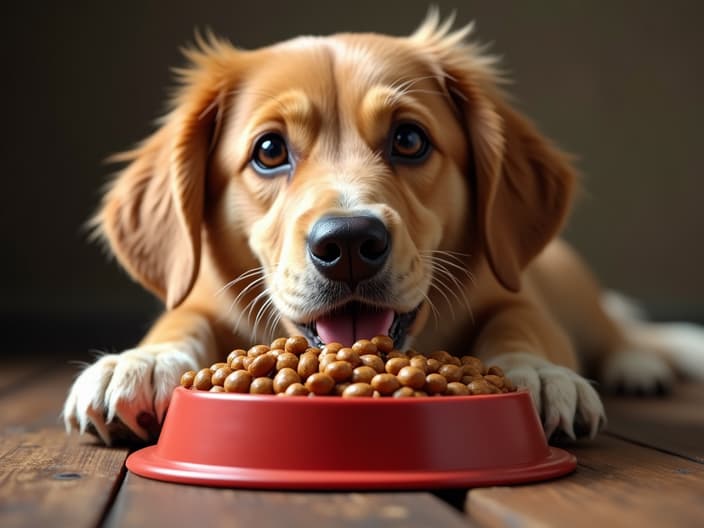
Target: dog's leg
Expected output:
[536,354]
[122,396]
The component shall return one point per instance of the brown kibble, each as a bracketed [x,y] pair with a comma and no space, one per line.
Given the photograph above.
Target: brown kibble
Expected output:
[363,374]
[296,345]
[441,355]
[287,360]
[364,346]
[238,381]
[340,388]
[216,366]
[320,384]
[435,383]
[412,377]
[284,378]
[217,388]
[495,371]
[313,350]
[376,394]
[356,390]
[324,361]
[471,370]
[433,365]
[202,379]
[262,365]
[262,385]
[235,353]
[385,383]
[404,392]
[420,394]
[496,381]
[396,354]
[247,361]
[420,362]
[296,389]
[187,378]
[350,355]
[307,365]
[340,371]
[279,342]
[474,361]
[480,387]
[394,365]
[456,388]
[384,344]
[276,352]
[373,361]
[257,350]
[220,374]
[331,348]
[451,372]
[237,363]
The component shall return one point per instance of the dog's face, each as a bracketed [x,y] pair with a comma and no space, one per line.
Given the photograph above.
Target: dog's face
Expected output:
[348,184]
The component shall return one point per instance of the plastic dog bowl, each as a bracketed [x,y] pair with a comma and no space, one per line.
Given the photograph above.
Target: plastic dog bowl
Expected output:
[248,441]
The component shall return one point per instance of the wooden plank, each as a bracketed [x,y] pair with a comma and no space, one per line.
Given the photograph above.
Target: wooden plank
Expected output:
[673,423]
[617,483]
[48,478]
[201,506]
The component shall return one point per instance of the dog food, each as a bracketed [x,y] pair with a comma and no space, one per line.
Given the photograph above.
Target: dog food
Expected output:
[369,368]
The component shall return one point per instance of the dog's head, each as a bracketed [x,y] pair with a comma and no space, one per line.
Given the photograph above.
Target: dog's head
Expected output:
[349,183]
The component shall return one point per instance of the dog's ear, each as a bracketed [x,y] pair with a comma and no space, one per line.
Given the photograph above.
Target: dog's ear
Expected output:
[523,185]
[152,214]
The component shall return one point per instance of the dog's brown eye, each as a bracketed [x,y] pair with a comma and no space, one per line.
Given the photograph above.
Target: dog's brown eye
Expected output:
[409,143]
[270,154]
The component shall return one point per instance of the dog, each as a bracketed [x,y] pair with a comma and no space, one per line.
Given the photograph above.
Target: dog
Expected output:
[359,184]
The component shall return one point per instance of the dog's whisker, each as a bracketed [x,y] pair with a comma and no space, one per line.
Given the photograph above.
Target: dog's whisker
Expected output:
[244,291]
[437,287]
[247,274]
[434,310]
[264,309]
[458,287]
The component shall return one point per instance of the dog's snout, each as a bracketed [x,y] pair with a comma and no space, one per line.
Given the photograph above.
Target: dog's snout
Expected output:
[349,248]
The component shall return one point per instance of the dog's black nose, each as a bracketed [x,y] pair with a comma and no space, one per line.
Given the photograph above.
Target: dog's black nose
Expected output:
[349,248]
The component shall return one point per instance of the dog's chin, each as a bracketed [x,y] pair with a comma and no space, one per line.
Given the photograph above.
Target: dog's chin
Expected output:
[356,320]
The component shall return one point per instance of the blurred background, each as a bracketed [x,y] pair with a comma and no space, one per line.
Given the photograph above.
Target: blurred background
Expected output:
[619,84]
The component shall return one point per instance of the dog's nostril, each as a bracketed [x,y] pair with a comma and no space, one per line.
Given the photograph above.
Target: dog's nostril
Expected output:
[374,248]
[329,253]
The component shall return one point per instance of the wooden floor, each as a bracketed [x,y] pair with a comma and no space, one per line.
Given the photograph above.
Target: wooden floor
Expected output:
[646,470]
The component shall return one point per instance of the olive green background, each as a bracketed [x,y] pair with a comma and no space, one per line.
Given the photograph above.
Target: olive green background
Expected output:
[619,84]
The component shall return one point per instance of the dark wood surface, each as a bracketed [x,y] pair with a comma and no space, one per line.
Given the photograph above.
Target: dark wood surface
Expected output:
[646,470]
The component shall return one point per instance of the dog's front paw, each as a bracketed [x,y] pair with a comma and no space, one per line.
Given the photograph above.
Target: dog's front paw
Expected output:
[565,400]
[637,372]
[124,397]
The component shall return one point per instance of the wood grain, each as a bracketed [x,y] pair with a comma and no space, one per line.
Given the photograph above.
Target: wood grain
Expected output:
[617,483]
[673,423]
[201,506]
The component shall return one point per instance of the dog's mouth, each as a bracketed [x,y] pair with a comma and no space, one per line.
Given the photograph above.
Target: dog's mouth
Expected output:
[356,320]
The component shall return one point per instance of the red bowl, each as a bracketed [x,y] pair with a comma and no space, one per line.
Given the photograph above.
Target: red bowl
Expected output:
[241,440]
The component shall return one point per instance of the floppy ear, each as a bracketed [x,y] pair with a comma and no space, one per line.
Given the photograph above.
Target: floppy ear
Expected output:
[152,214]
[523,185]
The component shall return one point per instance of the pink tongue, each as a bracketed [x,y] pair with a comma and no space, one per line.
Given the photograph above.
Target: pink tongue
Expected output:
[346,328]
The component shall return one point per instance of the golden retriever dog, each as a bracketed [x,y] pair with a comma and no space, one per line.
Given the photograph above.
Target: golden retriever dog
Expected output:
[353,185]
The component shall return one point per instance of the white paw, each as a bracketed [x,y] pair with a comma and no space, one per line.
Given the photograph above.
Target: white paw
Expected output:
[637,371]
[562,398]
[120,390]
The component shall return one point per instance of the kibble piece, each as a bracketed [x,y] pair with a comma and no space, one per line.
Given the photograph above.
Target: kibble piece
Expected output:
[394,365]
[456,388]
[396,354]
[220,374]
[383,343]
[420,362]
[340,388]
[496,381]
[350,355]
[451,372]
[216,366]
[480,387]
[237,362]
[324,361]
[340,371]
[237,352]
[476,362]
[287,360]
[296,344]
[262,365]
[320,384]
[217,388]
[313,350]
[262,385]
[331,348]
[365,346]
[202,379]
[385,383]
[420,394]
[238,381]
[435,383]
[441,355]
[412,377]
[355,390]
[363,374]
[433,365]
[404,392]
[373,361]
[187,378]
[257,350]
[296,389]
[307,365]
[284,378]
[276,352]
[470,369]
[495,371]
[279,342]
[247,361]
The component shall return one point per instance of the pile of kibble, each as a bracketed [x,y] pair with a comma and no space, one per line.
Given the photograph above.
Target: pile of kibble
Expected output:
[290,367]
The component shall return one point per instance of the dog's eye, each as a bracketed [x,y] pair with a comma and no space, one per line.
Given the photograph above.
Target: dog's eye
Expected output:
[409,143]
[270,154]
